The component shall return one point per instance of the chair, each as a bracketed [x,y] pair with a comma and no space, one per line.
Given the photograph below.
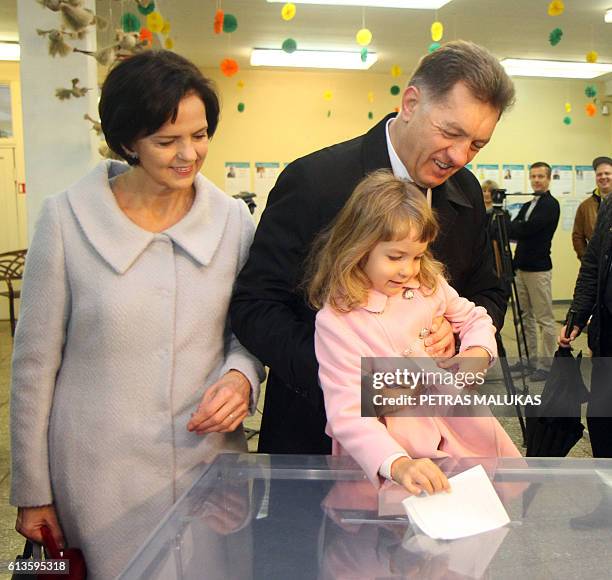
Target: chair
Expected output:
[11,269]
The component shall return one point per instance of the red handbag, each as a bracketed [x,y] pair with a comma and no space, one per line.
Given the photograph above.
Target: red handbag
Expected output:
[76,560]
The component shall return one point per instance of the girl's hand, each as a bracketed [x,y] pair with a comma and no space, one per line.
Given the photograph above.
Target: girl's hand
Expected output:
[31,519]
[418,475]
[472,360]
[441,341]
[224,405]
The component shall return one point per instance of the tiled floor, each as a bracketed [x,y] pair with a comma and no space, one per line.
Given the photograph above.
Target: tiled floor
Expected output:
[11,543]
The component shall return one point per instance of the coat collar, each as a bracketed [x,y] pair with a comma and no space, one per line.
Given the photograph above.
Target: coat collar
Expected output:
[120,242]
[377,301]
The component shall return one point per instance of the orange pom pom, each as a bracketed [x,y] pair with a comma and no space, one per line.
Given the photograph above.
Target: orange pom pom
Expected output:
[218,25]
[146,35]
[591,110]
[229,67]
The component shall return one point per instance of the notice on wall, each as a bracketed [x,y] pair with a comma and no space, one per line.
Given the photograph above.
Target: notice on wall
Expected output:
[562,180]
[237,177]
[487,171]
[568,213]
[585,180]
[513,178]
[266,174]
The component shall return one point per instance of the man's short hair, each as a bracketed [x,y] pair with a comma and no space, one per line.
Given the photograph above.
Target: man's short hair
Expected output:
[462,61]
[143,92]
[542,164]
[600,161]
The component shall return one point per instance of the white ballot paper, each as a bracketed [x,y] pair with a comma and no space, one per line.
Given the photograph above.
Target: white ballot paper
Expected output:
[472,507]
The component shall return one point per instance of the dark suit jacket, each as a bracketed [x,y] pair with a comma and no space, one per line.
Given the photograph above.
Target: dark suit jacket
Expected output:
[535,235]
[268,312]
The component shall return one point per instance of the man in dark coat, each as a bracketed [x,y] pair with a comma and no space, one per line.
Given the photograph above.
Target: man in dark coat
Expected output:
[533,228]
[448,113]
[593,298]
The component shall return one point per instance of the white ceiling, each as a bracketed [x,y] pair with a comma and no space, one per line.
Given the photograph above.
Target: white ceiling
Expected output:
[510,28]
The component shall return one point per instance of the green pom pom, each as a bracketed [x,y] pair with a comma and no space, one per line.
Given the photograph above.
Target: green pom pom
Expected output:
[555,36]
[370,115]
[364,54]
[130,22]
[146,9]
[590,91]
[241,107]
[394,90]
[289,45]
[328,114]
[567,120]
[230,23]
[433,47]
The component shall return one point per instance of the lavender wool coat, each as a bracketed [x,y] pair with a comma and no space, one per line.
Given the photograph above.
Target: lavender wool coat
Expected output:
[121,331]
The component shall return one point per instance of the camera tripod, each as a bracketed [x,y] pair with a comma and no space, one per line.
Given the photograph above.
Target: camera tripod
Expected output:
[498,232]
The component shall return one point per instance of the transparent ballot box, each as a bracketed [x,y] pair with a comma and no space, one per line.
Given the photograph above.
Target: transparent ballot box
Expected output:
[316,517]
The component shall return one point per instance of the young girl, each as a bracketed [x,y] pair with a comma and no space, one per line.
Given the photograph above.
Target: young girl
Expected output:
[377,287]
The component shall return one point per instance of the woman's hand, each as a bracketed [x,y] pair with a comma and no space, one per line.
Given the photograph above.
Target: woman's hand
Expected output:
[418,475]
[224,405]
[472,360]
[566,342]
[31,519]
[441,341]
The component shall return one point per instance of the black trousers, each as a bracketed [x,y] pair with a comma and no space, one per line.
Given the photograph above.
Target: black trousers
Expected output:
[599,413]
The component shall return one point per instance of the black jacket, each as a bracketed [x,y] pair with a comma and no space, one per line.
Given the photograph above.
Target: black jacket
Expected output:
[535,235]
[593,277]
[269,314]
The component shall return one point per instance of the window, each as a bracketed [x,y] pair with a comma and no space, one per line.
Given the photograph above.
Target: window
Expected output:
[6,115]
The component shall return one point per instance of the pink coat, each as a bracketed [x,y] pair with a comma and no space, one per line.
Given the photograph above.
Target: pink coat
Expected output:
[386,327]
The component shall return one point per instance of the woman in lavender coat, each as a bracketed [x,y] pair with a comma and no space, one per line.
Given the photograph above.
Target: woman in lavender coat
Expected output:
[126,377]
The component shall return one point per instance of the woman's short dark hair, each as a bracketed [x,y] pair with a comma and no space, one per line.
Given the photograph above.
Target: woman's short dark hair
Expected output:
[143,92]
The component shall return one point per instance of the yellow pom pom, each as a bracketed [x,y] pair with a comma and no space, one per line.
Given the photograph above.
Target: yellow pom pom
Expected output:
[327,95]
[592,56]
[437,31]
[240,84]
[370,97]
[155,22]
[556,7]
[166,28]
[168,44]
[568,107]
[396,71]
[288,11]
[363,37]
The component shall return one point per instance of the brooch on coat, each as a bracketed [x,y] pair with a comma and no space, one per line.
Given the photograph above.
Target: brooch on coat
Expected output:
[407,294]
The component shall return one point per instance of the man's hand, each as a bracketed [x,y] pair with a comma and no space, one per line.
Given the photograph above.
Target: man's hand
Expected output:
[224,405]
[441,341]
[418,475]
[566,342]
[31,519]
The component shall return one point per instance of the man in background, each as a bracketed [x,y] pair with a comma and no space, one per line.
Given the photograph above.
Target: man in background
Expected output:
[533,228]
[586,214]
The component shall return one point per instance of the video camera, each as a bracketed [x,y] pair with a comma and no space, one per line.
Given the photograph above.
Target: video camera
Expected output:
[247,197]
[498,196]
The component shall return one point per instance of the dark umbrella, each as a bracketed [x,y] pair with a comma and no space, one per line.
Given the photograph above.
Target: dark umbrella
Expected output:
[554,427]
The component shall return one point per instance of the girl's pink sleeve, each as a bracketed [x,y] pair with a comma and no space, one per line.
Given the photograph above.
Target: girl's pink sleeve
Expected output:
[471,322]
[339,351]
